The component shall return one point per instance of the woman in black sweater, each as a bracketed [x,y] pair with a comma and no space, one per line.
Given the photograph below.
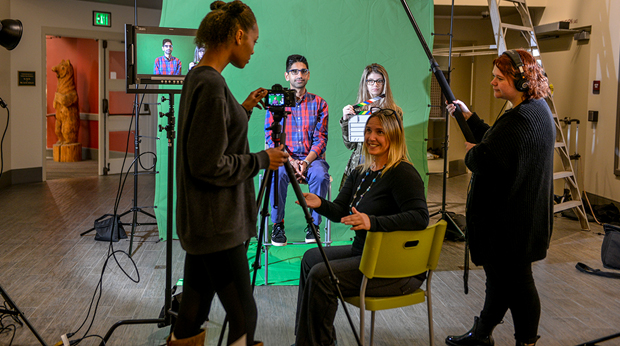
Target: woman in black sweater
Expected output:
[384,194]
[510,202]
[214,172]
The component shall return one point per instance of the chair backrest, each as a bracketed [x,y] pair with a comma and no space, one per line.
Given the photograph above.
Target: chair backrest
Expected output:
[402,253]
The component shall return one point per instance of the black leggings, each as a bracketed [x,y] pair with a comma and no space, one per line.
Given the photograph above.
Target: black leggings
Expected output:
[227,274]
[511,286]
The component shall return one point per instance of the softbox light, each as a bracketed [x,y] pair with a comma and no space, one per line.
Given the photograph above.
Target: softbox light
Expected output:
[10,33]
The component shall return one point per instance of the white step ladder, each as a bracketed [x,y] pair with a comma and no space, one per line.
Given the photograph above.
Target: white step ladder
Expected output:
[526,29]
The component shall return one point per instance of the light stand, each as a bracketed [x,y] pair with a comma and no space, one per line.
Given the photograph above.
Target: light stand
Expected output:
[458,115]
[166,320]
[136,163]
[14,311]
[136,154]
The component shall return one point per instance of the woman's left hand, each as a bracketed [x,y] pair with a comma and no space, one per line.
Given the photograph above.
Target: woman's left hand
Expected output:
[468,146]
[255,99]
[358,221]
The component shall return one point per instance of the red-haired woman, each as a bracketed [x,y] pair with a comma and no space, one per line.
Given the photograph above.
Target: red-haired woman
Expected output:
[513,164]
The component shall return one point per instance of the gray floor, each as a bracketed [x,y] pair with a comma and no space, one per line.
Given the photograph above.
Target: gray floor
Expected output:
[51,273]
[63,170]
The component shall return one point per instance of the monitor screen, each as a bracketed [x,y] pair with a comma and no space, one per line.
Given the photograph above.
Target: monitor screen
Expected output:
[157,55]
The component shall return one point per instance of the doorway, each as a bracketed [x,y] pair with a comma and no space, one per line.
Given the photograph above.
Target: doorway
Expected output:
[106,124]
[81,53]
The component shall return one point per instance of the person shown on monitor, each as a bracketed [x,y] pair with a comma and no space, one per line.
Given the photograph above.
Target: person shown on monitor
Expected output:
[198,53]
[167,64]
[306,140]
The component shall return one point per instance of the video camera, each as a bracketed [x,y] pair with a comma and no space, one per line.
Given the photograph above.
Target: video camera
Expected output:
[278,98]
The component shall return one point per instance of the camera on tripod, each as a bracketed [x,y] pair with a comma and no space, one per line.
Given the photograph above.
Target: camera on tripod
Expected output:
[278,98]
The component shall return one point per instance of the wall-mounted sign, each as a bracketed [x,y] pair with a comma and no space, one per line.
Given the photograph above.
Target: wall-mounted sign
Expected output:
[26,78]
[596,87]
[102,18]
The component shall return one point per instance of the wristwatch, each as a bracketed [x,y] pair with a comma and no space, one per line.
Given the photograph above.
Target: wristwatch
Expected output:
[307,162]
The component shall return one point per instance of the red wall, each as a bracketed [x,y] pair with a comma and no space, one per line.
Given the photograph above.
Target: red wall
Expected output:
[84,56]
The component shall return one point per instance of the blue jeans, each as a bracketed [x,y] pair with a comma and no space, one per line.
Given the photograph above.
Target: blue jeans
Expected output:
[318,182]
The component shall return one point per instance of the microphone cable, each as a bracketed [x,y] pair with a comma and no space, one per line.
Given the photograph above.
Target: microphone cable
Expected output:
[111,252]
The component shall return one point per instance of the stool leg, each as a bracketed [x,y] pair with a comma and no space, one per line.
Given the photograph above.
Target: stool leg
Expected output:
[266,243]
[328,223]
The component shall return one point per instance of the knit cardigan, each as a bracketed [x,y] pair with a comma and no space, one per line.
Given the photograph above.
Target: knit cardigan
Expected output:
[510,203]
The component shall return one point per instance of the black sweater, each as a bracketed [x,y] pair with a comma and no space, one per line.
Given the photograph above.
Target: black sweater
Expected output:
[510,203]
[394,202]
[216,207]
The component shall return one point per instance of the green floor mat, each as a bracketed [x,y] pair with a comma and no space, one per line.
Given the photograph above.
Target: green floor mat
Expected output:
[284,263]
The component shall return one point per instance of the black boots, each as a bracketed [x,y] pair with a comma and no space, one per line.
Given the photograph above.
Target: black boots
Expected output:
[531,343]
[476,336]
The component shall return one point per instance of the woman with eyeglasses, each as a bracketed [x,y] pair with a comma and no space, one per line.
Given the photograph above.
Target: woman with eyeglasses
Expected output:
[374,82]
[198,53]
[384,194]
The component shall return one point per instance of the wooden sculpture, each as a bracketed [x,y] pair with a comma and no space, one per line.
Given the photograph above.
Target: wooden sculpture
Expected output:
[67,149]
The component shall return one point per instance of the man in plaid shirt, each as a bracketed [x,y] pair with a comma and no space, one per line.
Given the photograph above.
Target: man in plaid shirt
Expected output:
[306,140]
[167,64]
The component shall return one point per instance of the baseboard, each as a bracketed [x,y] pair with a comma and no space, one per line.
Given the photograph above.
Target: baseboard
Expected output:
[456,167]
[21,176]
[87,154]
[600,200]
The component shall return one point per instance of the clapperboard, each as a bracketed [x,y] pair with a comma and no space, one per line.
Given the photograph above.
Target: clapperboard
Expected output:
[357,123]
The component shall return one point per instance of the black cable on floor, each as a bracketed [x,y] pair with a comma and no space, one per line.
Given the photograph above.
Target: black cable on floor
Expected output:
[111,252]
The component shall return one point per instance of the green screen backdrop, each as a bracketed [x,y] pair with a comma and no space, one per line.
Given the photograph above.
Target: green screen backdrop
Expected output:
[339,38]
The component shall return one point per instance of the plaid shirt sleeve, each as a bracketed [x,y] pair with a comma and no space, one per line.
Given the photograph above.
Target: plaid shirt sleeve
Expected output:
[268,121]
[177,70]
[319,138]
[157,68]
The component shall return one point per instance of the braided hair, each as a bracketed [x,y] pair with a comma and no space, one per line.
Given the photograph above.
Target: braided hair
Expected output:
[219,25]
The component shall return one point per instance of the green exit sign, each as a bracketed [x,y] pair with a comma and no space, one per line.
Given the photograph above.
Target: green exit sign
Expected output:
[102,18]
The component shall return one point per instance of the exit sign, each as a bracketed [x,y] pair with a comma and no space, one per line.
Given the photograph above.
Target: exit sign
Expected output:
[102,18]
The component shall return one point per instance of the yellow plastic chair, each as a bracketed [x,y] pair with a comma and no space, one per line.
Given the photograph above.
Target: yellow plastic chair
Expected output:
[395,255]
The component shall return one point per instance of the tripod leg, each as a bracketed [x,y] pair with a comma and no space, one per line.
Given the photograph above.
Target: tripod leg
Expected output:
[84,233]
[265,187]
[313,228]
[594,342]
[449,219]
[14,310]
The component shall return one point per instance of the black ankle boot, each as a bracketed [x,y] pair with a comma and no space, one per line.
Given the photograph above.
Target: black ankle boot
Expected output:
[472,338]
[531,343]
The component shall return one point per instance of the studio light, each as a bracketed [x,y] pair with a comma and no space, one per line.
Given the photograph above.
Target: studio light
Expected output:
[10,33]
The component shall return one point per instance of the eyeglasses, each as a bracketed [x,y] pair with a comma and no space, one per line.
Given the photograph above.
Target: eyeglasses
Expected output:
[373,82]
[387,112]
[295,71]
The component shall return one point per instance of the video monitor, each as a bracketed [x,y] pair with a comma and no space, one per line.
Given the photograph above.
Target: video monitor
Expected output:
[158,56]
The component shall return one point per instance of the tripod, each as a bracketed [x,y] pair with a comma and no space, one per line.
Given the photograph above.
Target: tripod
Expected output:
[16,313]
[279,115]
[136,154]
[135,209]
[458,115]
[166,320]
